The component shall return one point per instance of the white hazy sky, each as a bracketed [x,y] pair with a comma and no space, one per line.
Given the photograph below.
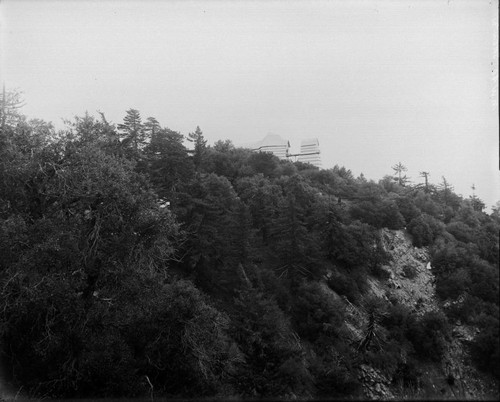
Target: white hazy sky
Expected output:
[377,82]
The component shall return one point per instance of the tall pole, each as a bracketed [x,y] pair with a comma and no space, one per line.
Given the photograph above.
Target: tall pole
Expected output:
[3,108]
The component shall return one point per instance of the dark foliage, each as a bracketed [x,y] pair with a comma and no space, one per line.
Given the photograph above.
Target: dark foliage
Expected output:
[333,380]
[429,334]
[357,245]
[407,374]
[407,208]
[424,230]
[348,284]
[485,347]
[273,364]
[378,214]
[130,265]
[409,271]
[316,315]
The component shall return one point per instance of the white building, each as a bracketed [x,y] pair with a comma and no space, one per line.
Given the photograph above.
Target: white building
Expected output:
[309,152]
[274,144]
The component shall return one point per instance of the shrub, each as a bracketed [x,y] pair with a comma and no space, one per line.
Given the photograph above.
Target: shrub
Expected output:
[451,286]
[346,285]
[427,205]
[407,374]
[469,308]
[358,245]
[263,162]
[380,272]
[407,208]
[275,287]
[333,379]
[484,280]
[337,383]
[461,231]
[448,258]
[485,348]
[424,230]
[383,213]
[294,375]
[263,334]
[59,346]
[429,335]
[410,272]
[421,232]
[194,354]
[396,319]
[315,314]
[387,359]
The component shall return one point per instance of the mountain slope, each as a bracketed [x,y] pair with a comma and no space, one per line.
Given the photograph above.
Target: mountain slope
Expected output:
[408,280]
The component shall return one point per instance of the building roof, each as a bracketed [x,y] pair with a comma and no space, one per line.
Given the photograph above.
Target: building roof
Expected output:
[270,140]
[273,143]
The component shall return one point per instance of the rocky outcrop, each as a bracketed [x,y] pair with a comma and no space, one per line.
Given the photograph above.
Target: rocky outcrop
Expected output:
[376,386]
[409,280]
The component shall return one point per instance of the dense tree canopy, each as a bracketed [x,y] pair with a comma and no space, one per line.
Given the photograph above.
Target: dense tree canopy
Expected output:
[130,265]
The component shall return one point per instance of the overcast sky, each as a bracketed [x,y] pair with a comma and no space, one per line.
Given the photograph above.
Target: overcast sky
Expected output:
[377,82]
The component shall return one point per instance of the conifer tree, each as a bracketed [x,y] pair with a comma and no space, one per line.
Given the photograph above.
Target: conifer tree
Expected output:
[200,146]
[169,164]
[151,127]
[132,130]
[10,102]
[477,203]
[446,190]
[399,170]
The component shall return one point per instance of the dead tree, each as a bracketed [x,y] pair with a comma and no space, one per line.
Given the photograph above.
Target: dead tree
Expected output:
[426,176]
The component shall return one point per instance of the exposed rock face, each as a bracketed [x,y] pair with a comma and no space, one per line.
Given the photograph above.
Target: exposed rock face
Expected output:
[410,281]
[376,386]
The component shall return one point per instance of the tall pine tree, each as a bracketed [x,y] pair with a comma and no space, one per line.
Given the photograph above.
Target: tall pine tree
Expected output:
[200,146]
[132,131]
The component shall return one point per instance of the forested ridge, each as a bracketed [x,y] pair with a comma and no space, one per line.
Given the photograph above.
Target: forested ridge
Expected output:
[130,266]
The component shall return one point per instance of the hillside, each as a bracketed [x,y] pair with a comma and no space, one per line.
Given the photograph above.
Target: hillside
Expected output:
[130,267]
[415,289]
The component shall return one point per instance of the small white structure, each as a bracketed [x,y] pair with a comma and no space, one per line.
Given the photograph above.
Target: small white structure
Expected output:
[163,204]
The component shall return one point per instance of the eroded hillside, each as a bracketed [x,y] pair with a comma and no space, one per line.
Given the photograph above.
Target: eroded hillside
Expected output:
[408,280]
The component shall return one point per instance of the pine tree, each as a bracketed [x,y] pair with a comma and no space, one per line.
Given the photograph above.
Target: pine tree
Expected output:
[132,130]
[169,164]
[399,169]
[200,146]
[151,127]
[477,203]
[10,102]
[446,190]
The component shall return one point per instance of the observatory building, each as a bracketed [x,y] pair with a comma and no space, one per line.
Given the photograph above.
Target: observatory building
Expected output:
[273,143]
[309,152]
